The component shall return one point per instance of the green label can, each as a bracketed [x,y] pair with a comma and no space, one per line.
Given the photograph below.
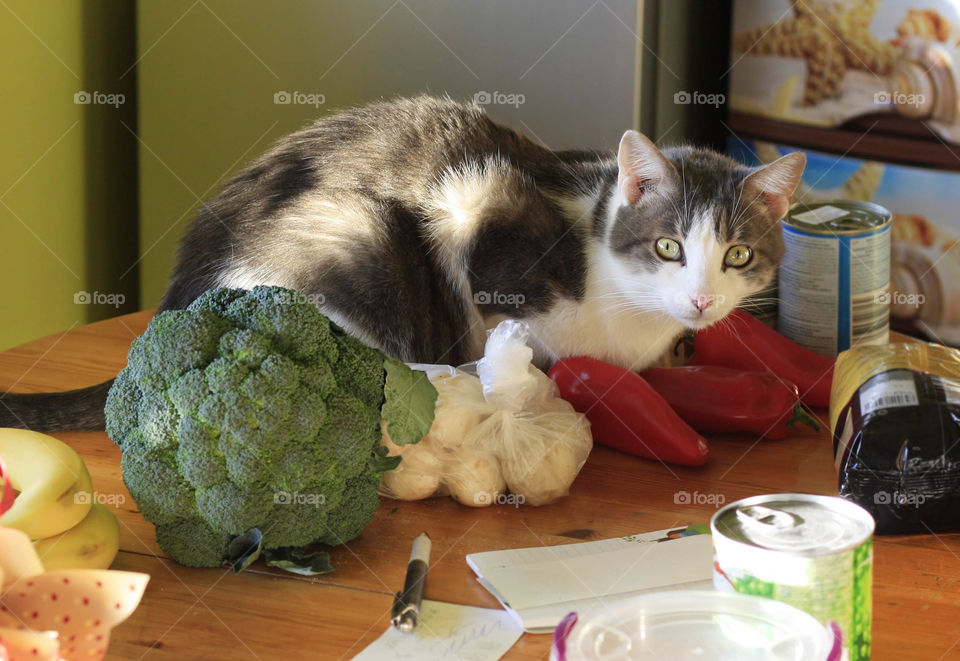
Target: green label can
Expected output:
[835,275]
[812,552]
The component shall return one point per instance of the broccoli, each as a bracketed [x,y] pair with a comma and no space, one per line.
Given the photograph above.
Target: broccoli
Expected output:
[251,410]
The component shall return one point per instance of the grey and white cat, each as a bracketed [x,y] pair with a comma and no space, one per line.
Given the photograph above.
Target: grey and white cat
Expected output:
[416,224]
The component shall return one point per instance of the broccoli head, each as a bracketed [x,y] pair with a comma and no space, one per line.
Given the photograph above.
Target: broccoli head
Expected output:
[250,409]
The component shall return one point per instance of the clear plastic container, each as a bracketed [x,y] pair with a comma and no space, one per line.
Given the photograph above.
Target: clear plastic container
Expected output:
[694,625]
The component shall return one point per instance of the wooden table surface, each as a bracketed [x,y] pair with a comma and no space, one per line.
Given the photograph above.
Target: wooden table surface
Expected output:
[267,614]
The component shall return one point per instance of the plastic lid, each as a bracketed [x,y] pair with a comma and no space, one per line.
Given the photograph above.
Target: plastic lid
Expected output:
[694,625]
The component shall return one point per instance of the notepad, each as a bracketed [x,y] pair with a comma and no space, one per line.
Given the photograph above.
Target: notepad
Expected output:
[539,586]
[448,631]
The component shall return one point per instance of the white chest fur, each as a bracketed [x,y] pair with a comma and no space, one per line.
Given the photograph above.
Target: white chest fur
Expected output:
[631,339]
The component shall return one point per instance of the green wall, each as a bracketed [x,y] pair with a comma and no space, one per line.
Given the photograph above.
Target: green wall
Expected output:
[204,84]
[209,71]
[68,215]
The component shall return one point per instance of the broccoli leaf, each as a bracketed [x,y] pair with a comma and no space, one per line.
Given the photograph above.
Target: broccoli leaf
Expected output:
[409,404]
[380,462]
[299,560]
[244,550]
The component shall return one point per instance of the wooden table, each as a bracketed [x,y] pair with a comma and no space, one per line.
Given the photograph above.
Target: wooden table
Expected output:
[266,614]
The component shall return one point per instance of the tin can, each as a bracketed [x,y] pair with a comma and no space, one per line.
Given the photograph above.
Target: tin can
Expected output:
[812,552]
[835,275]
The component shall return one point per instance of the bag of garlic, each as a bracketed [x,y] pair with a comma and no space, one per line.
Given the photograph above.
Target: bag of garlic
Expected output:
[504,430]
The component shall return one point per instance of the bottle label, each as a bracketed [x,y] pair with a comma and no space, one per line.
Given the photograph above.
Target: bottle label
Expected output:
[888,394]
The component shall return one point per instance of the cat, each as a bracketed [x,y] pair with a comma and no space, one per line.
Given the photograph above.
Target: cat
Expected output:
[416,224]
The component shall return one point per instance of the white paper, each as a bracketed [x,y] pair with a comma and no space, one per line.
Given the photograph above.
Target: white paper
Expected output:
[820,215]
[448,631]
[539,586]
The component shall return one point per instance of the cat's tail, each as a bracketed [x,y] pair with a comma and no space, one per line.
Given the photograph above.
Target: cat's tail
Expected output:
[79,410]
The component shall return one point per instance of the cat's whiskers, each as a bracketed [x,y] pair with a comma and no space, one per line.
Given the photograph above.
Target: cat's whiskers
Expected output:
[742,219]
[634,300]
[617,281]
[650,316]
[724,322]
[627,296]
[758,302]
[624,308]
[738,211]
[762,298]
[683,180]
[676,210]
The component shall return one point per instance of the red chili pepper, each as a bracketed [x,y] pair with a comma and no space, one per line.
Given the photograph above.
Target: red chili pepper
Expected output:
[744,343]
[626,413]
[719,399]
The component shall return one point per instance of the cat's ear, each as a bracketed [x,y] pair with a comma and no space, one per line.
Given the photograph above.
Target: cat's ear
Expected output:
[773,185]
[642,167]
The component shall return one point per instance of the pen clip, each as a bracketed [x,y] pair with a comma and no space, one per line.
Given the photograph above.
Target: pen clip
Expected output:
[398,607]
[404,616]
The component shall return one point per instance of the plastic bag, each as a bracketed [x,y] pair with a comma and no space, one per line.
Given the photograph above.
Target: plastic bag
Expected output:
[502,436]
[895,416]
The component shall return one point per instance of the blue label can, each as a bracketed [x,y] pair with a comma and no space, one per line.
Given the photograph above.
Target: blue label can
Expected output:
[835,275]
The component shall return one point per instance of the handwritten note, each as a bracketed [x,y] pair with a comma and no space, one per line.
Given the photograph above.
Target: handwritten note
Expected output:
[448,631]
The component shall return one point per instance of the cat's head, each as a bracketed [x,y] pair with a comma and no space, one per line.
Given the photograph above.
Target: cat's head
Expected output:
[692,232]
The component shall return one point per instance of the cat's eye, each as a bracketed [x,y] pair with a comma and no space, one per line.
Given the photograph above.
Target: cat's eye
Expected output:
[738,256]
[668,249]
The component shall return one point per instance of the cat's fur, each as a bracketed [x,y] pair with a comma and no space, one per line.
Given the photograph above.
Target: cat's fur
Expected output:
[418,223]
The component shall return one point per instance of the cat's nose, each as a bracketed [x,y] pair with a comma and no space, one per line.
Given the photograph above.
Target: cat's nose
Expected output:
[702,302]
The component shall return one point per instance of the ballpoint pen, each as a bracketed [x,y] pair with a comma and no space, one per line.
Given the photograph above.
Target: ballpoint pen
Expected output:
[406,604]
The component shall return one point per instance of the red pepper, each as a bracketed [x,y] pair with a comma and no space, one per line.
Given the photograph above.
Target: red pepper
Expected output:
[626,413]
[719,399]
[744,343]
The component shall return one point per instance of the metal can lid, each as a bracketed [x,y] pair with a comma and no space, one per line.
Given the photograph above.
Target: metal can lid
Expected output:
[795,523]
[693,624]
[837,217]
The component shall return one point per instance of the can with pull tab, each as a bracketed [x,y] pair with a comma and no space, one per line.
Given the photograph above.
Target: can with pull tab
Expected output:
[813,552]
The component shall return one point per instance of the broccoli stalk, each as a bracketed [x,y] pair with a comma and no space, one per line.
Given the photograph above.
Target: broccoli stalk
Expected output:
[250,410]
